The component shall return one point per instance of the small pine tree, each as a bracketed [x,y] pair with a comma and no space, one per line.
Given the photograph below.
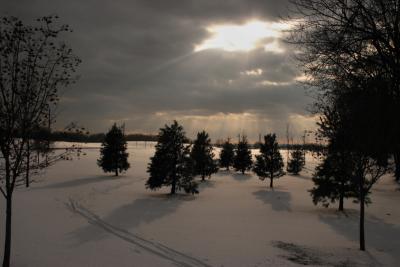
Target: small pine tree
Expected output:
[226,155]
[171,164]
[113,155]
[269,163]
[203,156]
[242,160]
[296,162]
[334,180]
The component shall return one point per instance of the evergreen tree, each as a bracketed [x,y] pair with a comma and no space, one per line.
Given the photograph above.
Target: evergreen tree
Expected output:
[171,164]
[113,155]
[334,179]
[296,162]
[203,156]
[331,181]
[242,160]
[227,155]
[269,163]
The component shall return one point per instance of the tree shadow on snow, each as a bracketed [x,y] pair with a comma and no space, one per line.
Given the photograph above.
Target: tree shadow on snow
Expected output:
[379,235]
[82,181]
[279,200]
[208,183]
[128,216]
[315,256]
[222,173]
[241,177]
[300,176]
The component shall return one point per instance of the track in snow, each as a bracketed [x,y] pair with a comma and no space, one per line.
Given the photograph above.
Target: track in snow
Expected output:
[176,257]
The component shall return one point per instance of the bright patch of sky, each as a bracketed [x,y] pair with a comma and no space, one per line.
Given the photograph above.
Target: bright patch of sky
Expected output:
[245,37]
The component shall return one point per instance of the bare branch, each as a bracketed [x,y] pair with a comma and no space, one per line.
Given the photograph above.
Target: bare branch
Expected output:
[2,192]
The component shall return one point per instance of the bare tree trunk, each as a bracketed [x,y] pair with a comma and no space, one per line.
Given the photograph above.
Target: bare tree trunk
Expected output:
[397,163]
[341,197]
[271,182]
[116,165]
[173,187]
[28,157]
[7,242]
[362,207]
[341,204]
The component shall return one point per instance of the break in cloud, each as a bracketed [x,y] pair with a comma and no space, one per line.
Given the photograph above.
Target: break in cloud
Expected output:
[147,62]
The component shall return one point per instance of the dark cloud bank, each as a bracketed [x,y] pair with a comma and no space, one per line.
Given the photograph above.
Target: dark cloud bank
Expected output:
[139,67]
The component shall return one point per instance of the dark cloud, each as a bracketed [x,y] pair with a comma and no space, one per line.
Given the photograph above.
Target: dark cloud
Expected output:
[139,66]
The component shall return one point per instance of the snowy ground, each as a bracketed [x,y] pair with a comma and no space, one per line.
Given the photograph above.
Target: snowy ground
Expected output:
[74,215]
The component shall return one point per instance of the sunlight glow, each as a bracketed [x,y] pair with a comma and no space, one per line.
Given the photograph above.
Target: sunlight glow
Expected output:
[271,83]
[245,37]
[253,72]
[228,124]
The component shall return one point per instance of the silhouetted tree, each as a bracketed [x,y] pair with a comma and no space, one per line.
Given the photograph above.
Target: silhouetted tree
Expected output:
[345,123]
[296,162]
[349,51]
[396,157]
[171,164]
[367,172]
[113,155]
[242,160]
[355,41]
[33,66]
[269,163]
[203,156]
[226,155]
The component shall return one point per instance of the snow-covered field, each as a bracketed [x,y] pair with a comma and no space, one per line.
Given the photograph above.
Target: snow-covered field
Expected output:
[74,215]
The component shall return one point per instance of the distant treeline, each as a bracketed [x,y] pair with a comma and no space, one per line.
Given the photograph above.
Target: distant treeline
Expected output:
[308,147]
[85,137]
[97,137]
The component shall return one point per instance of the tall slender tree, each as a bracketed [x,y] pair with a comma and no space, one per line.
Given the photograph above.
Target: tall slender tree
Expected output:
[356,40]
[226,155]
[171,164]
[113,155]
[203,156]
[242,160]
[269,163]
[346,126]
[34,65]
[349,51]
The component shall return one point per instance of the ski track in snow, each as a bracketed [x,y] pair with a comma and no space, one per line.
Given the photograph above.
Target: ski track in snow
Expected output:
[162,251]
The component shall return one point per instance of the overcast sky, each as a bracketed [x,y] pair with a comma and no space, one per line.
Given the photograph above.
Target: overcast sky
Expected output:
[214,65]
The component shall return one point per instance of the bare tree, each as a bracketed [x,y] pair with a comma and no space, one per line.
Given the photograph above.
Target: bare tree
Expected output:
[33,66]
[352,40]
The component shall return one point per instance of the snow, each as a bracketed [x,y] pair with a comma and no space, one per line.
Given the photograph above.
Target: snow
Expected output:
[75,215]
